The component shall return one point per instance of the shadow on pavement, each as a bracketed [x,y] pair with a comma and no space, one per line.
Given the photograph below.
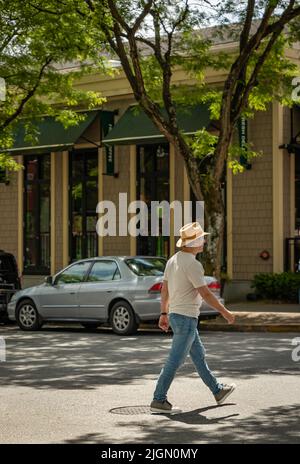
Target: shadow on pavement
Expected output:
[72,358]
[271,425]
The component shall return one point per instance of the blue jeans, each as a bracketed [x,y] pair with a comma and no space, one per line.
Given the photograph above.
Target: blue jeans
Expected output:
[185,341]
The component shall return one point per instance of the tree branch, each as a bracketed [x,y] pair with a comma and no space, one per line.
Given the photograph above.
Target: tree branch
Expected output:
[27,97]
[142,16]
[247,24]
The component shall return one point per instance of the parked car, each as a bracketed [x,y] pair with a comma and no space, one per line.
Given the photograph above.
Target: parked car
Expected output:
[10,281]
[122,291]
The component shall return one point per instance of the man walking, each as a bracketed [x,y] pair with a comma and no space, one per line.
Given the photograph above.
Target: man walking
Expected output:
[182,291]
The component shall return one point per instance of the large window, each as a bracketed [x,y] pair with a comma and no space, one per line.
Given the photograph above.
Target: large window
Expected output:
[83,203]
[153,184]
[37,214]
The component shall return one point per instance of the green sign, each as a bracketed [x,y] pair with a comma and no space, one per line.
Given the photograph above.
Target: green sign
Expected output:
[243,138]
[107,122]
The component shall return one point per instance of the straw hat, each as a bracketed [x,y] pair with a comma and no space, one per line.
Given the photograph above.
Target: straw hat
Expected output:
[189,233]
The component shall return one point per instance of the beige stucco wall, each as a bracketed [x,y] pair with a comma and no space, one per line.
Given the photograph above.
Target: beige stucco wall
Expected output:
[112,187]
[252,205]
[9,215]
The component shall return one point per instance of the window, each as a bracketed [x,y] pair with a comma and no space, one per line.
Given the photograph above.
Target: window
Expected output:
[74,274]
[83,203]
[7,264]
[153,184]
[37,214]
[104,271]
[147,266]
[3,177]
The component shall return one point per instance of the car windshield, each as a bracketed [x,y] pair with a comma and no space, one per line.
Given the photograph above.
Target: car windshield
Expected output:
[147,266]
[6,264]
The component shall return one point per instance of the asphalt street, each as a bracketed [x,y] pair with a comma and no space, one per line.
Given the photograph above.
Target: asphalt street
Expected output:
[64,384]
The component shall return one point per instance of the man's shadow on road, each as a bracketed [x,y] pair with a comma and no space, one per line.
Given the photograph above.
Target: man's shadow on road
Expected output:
[196,417]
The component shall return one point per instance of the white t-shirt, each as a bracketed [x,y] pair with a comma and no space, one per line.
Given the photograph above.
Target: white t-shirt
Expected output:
[184,274]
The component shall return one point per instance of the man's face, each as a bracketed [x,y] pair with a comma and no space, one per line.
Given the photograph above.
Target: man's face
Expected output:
[199,248]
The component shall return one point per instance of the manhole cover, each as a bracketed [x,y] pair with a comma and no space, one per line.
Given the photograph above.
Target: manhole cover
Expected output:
[131,410]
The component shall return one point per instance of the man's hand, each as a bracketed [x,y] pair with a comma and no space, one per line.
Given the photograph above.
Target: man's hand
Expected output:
[163,323]
[213,301]
[230,318]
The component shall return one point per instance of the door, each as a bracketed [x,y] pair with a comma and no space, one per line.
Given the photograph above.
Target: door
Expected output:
[98,290]
[153,185]
[61,299]
[83,204]
[37,214]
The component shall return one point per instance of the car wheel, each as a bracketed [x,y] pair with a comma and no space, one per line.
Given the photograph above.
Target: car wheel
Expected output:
[28,317]
[122,319]
[90,325]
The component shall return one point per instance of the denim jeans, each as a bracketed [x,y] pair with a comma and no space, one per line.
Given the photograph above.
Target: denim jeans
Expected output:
[185,341]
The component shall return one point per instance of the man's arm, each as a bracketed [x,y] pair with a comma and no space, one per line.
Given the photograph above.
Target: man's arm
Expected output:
[164,307]
[210,299]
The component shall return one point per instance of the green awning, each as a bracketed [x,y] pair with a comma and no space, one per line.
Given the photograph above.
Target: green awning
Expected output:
[135,127]
[52,136]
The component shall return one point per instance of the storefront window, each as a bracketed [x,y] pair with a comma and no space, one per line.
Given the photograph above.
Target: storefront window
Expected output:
[83,203]
[37,214]
[153,184]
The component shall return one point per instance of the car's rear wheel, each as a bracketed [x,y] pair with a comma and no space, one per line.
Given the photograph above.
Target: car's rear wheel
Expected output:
[28,317]
[90,325]
[122,319]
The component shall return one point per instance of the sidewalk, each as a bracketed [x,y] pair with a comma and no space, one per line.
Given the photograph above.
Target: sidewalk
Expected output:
[258,317]
[261,306]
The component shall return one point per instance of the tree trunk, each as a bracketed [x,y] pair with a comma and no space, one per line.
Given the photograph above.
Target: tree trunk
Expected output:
[214,211]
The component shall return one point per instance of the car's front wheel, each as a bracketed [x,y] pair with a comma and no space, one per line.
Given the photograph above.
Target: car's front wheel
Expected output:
[28,317]
[122,319]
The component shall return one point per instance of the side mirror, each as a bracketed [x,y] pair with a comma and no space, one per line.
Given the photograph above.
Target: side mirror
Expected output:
[49,280]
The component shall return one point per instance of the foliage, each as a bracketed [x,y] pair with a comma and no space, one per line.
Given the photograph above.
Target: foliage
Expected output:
[283,286]
[34,46]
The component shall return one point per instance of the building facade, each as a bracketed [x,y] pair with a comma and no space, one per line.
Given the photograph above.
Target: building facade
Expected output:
[48,209]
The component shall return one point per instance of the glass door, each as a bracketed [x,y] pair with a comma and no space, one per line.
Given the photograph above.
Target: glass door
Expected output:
[37,214]
[153,185]
[83,202]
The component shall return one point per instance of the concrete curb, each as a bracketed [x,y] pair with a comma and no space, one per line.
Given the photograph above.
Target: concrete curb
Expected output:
[252,321]
[277,328]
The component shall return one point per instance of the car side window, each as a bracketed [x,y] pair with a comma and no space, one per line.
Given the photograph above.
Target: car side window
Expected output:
[103,271]
[74,274]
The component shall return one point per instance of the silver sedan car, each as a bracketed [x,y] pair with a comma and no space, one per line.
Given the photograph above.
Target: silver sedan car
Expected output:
[123,291]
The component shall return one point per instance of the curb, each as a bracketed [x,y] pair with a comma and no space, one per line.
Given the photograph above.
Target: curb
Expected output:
[277,328]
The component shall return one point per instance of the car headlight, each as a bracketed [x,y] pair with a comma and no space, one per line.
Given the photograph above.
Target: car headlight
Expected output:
[15,296]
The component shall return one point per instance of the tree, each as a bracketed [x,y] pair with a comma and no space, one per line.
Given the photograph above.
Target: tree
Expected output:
[152,37]
[33,47]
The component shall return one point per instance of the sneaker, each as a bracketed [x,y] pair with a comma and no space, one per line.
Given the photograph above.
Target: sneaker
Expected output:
[161,407]
[224,393]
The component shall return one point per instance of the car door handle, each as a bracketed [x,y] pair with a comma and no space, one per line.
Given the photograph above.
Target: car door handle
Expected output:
[108,291]
[72,293]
